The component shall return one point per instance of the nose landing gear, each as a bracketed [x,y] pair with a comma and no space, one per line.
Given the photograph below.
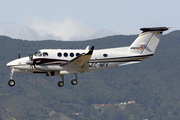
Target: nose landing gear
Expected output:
[11,81]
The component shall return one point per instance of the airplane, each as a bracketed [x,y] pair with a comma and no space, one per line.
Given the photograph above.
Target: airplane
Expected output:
[59,62]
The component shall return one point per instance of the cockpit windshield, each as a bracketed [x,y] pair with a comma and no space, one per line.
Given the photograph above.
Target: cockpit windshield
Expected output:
[37,54]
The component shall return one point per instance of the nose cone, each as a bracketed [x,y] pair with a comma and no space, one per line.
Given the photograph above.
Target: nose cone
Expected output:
[17,62]
[10,64]
[13,63]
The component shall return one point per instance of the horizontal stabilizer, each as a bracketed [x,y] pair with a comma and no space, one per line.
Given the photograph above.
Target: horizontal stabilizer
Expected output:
[154,29]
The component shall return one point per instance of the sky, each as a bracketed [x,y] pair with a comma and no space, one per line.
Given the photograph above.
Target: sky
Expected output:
[74,20]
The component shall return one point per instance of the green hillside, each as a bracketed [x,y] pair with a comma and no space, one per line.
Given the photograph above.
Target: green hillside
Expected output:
[153,85]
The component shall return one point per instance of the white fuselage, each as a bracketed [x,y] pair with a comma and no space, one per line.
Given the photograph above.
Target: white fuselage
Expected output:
[100,59]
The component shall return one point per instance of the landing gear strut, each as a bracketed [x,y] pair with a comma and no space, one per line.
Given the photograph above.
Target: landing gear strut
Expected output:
[11,81]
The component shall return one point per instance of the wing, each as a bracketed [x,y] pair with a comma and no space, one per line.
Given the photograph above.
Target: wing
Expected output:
[80,62]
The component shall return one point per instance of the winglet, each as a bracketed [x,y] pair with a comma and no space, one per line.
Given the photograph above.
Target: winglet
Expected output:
[87,48]
[90,51]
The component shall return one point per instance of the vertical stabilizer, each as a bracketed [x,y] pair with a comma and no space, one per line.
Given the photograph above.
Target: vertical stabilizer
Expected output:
[147,41]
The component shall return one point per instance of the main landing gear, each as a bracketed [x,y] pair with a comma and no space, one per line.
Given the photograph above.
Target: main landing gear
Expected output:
[73,81]
[11,81]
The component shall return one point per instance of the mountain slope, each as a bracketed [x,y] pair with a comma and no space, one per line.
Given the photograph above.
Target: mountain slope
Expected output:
[153,84]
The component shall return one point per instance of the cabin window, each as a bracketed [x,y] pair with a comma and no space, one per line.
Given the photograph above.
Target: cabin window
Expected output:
[105,55]
[59,54]
[65,54]
[77,54]
[72,54]
[45,54]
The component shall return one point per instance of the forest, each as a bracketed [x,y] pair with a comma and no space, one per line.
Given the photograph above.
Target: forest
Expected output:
[153,84]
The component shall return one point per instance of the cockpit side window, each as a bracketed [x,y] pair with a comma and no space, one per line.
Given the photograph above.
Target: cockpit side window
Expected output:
[45,54]
[38,54]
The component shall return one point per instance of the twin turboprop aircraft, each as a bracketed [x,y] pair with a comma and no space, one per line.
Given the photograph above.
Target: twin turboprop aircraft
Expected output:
[58,62]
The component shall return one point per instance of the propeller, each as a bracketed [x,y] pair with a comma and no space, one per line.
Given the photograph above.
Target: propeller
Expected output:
[31,56]
[31,59]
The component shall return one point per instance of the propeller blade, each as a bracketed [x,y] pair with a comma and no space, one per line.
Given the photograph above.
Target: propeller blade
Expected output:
[32,57]
[19,55]
[29,56]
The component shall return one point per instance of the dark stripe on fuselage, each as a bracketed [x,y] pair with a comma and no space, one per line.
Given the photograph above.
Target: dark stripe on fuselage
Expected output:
[115,61]
[122,59]
[48,61]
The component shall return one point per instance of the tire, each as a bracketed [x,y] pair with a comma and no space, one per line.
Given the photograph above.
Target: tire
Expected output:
[74,82]
[60,83]
[11,83]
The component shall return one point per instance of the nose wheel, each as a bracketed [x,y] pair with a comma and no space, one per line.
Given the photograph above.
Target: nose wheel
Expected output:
[11,83]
